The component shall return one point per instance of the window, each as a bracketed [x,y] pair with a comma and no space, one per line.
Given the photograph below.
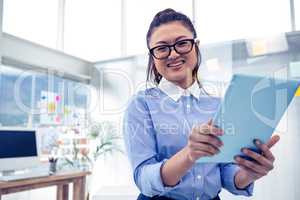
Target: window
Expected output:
[15,97]
[227,20]
[60,101]
[297,14]
[93,29]
[76,101]
[81,94]
[31,98]
[137,27]
[41,84]
[32,20]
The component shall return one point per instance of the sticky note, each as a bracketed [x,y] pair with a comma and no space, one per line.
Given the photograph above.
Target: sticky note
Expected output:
[267,45]
[298,92]
[51,107]
[259,47]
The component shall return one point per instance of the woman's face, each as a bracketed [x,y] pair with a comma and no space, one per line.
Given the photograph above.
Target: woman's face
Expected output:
[176,68]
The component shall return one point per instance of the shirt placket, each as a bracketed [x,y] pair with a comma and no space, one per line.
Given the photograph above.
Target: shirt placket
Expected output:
[199,183]
[187,101]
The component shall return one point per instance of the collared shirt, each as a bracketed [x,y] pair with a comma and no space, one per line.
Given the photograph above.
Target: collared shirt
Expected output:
[175,92]
[156,126]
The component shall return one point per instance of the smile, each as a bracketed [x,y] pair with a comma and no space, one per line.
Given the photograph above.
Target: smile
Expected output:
[176,64]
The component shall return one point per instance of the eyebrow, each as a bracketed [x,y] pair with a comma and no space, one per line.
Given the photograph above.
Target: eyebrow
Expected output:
[178,38]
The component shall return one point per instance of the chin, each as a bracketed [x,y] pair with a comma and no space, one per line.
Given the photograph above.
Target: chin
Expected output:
[180,75]
[178,78]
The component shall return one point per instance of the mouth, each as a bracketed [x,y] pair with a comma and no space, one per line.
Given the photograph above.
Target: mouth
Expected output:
[176,64]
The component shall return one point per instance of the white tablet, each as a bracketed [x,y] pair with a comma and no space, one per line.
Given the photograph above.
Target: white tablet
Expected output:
[251,109]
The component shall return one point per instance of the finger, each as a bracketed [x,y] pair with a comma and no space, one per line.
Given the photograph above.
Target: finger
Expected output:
[210,130]
[274,139]
[210,139]
[265,150]
[267,164]
[204,147]
[252,165]
[210,122]
[249,170]
[216,131]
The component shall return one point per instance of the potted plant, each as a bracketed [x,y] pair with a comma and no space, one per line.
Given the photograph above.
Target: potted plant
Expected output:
[103,139]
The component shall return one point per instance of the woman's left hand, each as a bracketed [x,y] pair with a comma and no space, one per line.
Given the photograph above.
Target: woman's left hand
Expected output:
[261,165]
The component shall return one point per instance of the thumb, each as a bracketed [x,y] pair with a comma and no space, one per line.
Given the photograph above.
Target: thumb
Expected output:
[274,139]
[210,121]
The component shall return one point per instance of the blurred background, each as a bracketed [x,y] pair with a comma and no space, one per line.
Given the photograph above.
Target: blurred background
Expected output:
[69,67]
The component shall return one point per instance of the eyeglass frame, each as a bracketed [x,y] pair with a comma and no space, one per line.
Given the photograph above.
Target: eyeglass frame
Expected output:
[171,47]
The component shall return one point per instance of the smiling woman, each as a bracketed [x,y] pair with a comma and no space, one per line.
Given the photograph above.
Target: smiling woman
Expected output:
[174,65]
[165,131]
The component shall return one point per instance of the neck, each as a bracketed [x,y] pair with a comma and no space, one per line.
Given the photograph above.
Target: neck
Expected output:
[185,83]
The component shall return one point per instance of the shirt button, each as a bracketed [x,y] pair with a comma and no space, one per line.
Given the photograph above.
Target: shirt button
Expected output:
[199,177]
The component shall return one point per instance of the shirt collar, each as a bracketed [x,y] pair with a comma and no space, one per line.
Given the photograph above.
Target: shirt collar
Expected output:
[175,92]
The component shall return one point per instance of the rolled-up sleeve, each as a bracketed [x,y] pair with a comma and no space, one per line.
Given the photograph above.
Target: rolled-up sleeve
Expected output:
[228,171]
[149,179]
[141,147]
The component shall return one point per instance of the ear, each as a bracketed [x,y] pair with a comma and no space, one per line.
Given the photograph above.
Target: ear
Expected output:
[198,42]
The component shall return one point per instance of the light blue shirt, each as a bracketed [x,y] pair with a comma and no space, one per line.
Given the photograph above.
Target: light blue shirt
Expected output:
[156,126]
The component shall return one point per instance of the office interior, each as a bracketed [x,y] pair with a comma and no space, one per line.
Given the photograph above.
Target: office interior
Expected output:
[69,68]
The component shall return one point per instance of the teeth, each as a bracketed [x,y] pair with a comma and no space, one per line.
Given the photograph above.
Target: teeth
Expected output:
[175,64]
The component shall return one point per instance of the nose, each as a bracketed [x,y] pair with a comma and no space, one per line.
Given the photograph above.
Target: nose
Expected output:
[173,53]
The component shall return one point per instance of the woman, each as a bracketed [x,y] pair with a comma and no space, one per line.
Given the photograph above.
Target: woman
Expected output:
[168,127]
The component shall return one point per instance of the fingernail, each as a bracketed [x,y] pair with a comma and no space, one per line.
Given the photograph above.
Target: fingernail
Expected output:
[257,142]
[236,158]
[219,133]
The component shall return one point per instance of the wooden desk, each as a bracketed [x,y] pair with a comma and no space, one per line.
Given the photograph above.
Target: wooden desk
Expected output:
[61,180]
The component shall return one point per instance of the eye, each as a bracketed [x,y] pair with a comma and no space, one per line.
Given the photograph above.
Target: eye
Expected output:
[183,43]
[162,49]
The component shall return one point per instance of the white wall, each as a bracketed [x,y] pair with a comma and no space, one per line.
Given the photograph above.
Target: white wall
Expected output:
[36,55]
[44,58]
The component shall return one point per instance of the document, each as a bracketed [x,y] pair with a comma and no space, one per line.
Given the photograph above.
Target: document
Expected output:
[251,109]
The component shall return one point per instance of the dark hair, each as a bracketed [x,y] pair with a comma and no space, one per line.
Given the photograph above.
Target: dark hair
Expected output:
[163,17]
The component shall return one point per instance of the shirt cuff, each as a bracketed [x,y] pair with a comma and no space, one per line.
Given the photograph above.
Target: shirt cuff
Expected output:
[151,181]
[229,183]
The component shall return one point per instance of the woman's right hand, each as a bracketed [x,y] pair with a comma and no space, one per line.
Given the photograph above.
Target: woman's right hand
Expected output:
[203,141]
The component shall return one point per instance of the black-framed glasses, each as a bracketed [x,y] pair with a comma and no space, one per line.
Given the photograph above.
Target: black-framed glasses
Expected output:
[181,47]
